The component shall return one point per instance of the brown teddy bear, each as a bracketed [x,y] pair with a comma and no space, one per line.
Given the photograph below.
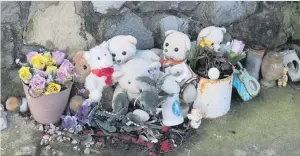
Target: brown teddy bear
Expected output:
[82,70]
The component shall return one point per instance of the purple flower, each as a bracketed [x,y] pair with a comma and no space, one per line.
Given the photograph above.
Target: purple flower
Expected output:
[69,121]
[237,46]
[30,55]
[41,73]
[58,57]
[37,82]
[68,66]
[62,75]
[83,112]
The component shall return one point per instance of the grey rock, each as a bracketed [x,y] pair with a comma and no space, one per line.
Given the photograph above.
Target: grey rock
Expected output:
[258,29]
[128,24]
[106,6]
[223,12]
[64,33]
[188,5]
[3,119]
[9,12]
[148,6]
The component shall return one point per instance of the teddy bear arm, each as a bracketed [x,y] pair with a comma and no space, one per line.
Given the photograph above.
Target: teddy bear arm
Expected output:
[148,54]
[170,86]
[189,95]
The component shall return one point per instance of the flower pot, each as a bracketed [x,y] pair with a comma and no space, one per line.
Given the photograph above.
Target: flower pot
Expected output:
[214,96]
[47,109]
[271,69]
[253,62]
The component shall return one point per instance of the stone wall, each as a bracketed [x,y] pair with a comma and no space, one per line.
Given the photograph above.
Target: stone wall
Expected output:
[73,26]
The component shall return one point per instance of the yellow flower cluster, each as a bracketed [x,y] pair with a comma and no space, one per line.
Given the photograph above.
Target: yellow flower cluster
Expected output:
[204,43]
[53,88]
[24,74]
[39,61]
[48,59]
[51,69]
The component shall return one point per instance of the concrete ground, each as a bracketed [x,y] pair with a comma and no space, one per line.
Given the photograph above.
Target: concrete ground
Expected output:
[268,125]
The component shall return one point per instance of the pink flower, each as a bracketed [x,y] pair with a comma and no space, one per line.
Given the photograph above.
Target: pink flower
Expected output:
[58,57]
[237,46]
[30,55]
[63,75]
[37,82]
[68,66]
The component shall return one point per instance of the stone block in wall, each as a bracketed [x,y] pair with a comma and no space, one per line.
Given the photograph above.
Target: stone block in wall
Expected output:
[128,24]
[104,7]
[223,12]
[58,25]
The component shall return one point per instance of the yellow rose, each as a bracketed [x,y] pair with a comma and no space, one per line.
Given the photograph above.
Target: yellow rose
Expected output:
[51,69]
[38,61]
[53,88]
[208,43]
[202,44]
[49,60]
[24,74]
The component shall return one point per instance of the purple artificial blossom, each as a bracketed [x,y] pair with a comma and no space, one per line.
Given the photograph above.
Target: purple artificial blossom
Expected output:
[37,82]
[62,75]
[237,46]
[58,57]
[30,55]
[83,112]
[69,121]
[41,73]
[68,66]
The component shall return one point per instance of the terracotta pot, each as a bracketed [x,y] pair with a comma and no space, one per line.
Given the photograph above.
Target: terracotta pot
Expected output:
[271,69]
[47,109]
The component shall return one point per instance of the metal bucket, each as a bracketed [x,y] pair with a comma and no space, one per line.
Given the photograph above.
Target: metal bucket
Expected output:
[214,96]
[47,109]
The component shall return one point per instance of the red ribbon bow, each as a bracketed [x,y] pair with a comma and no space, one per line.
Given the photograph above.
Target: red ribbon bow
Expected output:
[104,72]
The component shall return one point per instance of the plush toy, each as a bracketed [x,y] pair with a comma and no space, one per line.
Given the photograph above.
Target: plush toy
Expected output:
[76,102]
[123,49]
[212,34]
[195,117]
[82,70]
[17,104]
[129,72]
[175,48]
[282,81]
[100,62]
[186,79]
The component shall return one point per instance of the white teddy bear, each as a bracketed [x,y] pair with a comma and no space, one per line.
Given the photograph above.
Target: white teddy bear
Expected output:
[212,34]
[128,73]
[100,62]
[123,49]
[175,49]
[186,79]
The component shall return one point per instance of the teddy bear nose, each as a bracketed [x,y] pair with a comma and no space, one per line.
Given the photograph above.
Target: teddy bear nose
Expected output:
[84,67]
[140,90]
[119,61]
[166,50]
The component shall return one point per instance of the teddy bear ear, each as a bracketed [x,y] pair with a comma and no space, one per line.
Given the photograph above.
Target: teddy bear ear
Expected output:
[188,43]
[86,55]
[117,74]
[78,56]
[170,32]
[204,32]
[131,39]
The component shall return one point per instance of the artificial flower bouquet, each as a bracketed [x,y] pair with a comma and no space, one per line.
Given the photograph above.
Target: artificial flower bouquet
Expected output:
[47,73]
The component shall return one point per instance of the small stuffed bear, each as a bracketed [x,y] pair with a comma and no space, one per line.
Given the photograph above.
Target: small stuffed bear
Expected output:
[175,48]
[129,72]
[82,70]
[282,81]
[100,62]
[186,79]
[212,34]
[17,104]
[123,49]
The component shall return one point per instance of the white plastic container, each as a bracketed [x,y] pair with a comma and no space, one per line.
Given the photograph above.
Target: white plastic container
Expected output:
[214,97]
[171,112]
